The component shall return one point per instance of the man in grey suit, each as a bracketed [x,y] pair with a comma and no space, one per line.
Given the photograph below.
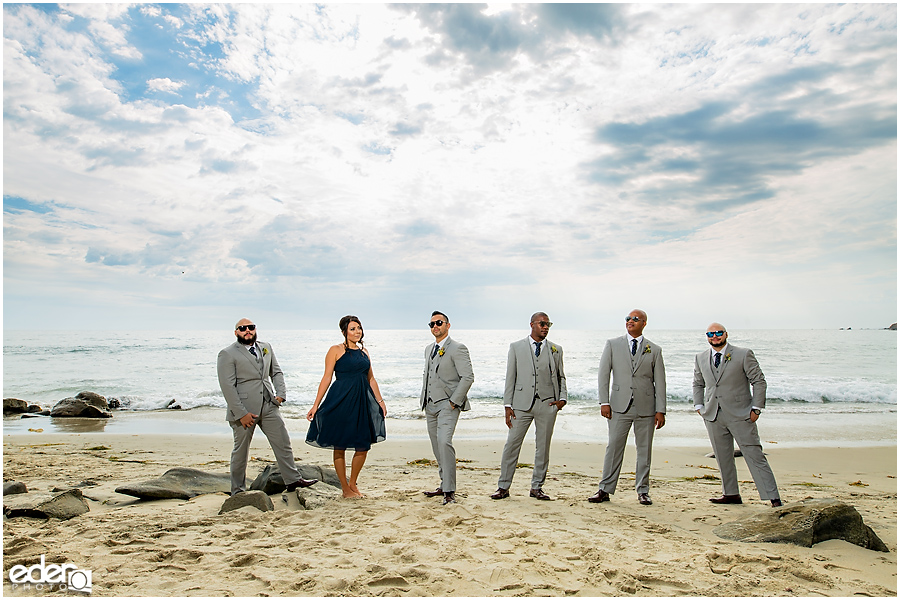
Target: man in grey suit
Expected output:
[535,391]
[247,370]
[638,399]
[723,376]
[445,383]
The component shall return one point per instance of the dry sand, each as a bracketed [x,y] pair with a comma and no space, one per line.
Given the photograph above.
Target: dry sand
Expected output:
[397,542]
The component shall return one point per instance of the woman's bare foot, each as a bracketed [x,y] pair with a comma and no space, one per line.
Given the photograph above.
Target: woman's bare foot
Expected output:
[352,494]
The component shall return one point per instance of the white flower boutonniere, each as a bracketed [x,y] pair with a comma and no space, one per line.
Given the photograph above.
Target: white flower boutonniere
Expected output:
[265,350]
[647,349]
[441,351]
[554,349]
[728,357]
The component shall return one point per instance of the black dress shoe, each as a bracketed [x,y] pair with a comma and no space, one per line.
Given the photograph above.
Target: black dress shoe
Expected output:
[600,496]
[727,499]
[303,483]
[539,494]
[449,498]
[436,492]
[645,499]
[500,494]
[776,502]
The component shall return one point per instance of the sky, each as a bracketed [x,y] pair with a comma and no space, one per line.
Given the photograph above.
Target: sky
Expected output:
[173,166]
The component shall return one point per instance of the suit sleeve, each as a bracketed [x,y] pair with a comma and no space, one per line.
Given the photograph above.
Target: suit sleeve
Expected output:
[227,373]
[510,386]
[463,365]
[699,383]
[277,376]
[563,393]
[756,378]
[659,383]
[603,373]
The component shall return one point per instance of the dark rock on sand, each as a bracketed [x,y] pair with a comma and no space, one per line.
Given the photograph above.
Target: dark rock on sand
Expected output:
[14,487]
[14,405]
[64,506]
[254,498]
[271,482]
[179,482]
[804,524]
[113,403]
[173,405]
[85,404]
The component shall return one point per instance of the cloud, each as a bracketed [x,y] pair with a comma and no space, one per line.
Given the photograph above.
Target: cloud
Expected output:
[165,85]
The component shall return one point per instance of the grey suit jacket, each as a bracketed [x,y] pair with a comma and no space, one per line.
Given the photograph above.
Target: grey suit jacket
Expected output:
[244,381]
[730,392]
[454,374]
[646,383]
[521,376]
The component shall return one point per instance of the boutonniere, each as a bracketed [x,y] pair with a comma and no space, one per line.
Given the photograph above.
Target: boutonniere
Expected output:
[265,350]
[553,349]
[647,349]
[441,351]
[728,357]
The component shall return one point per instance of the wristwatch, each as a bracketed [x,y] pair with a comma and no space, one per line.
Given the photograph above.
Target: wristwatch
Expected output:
[756,410]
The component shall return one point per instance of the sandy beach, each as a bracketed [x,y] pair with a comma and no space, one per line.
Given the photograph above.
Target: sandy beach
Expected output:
[397,542]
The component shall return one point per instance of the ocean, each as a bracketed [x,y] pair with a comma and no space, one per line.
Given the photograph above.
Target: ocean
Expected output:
[823,385]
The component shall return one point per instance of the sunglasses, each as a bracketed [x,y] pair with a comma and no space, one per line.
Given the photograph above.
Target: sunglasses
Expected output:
[719,333]
[545,323]
[439,323]
[243,328]
[635,319]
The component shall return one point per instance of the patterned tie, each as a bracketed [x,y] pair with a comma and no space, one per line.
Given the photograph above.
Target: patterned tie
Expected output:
[537,348]
[435,351]
[718,358]
[252,350]
[633,347]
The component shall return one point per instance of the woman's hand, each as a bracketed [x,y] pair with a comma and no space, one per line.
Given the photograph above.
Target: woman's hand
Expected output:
[311,413]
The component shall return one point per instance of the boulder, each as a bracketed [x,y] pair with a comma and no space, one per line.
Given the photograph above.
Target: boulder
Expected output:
[179,482]
[113,403]
[804,524]
[270,481]
[85,404]
[254,498]
[317,495]
[14,487]
[64,506]
[14,405]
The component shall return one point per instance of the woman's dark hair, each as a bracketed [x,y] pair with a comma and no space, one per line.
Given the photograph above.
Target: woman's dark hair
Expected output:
[345,325]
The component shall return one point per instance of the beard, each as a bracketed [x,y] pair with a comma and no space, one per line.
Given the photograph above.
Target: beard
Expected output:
[717,343]
[247,342]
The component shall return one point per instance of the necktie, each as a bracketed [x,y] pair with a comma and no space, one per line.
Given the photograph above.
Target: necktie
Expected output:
[435,351]
[633,347]
[718,358]
[537,348]
[252,350]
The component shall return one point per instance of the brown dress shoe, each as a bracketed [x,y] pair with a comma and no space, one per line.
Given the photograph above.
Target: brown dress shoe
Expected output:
[449,498]
[436,492]
[600,496]
[500,494]
[645,499]
[539,494]
[776,502]
[727,499]
[303,483]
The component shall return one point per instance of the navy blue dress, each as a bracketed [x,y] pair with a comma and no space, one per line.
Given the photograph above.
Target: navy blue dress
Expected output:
[349,415]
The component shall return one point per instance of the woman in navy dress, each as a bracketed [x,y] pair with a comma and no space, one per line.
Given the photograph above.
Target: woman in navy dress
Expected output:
[352,413]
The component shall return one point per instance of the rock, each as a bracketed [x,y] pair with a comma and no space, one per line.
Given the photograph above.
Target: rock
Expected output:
[85,404]
[254,498]
[14,487]
[34,408]
[113,403]
[63,506]
[173,405]
[804,524]
[893,327]
[317,495]
[270,481]
[14,405]
[179,482]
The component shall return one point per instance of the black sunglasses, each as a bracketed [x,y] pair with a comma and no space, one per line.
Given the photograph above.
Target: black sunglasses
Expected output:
[243,328]
[719,333]
[439,323]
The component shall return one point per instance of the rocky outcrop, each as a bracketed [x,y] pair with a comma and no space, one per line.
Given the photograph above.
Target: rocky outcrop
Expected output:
[179,482]
[63,506]
[254,498]
[270,481]
[85,404]
[14,405]
[14,487]
[804,524]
